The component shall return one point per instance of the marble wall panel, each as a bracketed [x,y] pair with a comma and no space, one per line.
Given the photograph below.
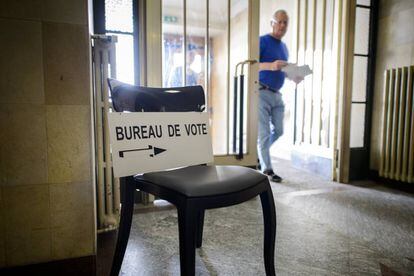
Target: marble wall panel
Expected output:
[72,219]
[3,144]
[23,9]
[69,143]
[63,11]
[66,64]
[2,232]
[21,67]
[45,117]
[63,245]
[71,203]
[27,219]
[23,148]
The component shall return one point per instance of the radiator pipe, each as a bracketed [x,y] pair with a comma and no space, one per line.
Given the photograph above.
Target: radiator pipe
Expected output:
[99,136]
[107,149]
[115,182]
[106,216]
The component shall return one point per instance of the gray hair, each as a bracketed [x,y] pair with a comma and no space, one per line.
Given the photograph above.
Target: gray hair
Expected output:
[280,11]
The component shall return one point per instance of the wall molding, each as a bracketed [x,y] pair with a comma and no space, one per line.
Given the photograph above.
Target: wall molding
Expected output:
[83,266]
[390,183]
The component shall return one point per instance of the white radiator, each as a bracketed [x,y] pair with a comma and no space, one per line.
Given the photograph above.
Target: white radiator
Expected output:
[107,187]
[397,152]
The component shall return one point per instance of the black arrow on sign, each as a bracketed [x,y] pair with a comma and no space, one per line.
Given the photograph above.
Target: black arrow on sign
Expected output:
[156,151]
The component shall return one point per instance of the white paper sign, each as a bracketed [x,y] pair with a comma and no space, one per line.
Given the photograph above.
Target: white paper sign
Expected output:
[153,141]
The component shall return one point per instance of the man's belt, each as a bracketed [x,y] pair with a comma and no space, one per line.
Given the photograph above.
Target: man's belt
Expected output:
[267,87]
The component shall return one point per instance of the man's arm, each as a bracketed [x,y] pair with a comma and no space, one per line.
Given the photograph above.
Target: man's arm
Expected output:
[272,66]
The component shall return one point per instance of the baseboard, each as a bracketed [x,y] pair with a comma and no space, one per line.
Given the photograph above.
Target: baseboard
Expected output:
[373,175]
[319,165]
[84,266]
[358,164]
[390,183]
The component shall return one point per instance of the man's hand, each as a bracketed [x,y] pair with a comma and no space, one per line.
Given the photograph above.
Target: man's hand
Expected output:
[278,65]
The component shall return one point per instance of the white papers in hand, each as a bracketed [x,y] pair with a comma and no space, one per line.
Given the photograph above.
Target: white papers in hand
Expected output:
[293,71]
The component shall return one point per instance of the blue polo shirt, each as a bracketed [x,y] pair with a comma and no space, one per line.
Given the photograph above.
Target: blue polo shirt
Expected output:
[272,49]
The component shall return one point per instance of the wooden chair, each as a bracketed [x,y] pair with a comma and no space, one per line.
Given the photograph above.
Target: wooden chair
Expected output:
[191,189]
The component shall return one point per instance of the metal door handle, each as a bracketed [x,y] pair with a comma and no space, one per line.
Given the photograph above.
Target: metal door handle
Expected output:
[241,104]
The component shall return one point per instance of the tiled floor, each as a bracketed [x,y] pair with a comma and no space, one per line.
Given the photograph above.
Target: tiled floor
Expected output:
[323,228]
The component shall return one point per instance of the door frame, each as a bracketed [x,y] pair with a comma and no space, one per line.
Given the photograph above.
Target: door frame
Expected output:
[360,157]
[250,157]
[342,139]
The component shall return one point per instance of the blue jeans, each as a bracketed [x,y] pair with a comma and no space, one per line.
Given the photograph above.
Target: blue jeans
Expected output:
[271,113]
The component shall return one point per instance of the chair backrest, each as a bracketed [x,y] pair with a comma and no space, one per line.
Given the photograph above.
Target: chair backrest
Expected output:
[126,97]
[189,137]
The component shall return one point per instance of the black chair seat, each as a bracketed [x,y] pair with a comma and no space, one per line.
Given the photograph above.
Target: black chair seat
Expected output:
[199,181]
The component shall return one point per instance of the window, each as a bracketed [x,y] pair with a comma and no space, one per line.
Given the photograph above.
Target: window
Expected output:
[118,17]
[360,74]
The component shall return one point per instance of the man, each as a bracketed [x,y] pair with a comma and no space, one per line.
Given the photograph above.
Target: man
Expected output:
[273,57]
[176,78]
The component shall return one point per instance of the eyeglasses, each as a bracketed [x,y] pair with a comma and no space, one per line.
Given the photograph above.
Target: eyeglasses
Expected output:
[274,21]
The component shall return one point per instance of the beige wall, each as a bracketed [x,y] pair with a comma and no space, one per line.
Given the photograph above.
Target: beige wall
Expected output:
[395,48]
[46,189]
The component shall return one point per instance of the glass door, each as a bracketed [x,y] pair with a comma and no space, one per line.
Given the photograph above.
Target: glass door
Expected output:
[202,43]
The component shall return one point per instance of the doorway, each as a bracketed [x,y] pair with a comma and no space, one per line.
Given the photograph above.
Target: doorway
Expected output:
[309,130]
[189,42]
[202,43]
[327,116]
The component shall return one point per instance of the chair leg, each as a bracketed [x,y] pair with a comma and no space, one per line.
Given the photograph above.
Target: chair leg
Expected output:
[269,217]
[127,192]
[200,225]
[187,219]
